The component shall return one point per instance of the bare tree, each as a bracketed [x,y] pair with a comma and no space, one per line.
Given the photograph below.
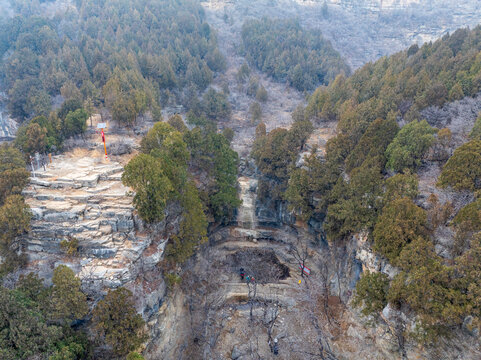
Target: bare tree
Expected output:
[252,296]
[337,254]
[311,296]
[325,285]
[300,251]
[271,313]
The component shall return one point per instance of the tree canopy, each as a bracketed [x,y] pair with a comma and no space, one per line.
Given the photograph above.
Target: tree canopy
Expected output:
[116,320]
[31,328]
[286,51]
[463,169]
[123,55]
[13,172]
[400,223]
[410,144]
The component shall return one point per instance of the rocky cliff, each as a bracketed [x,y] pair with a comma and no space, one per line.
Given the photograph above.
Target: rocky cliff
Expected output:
[8,126]
[83,217]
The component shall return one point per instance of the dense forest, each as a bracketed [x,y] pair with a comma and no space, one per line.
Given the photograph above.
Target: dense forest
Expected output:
[124,55]
[286,51]
[367,182]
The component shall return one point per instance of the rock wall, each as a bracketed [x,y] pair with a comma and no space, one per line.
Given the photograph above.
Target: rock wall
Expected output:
[80,197]
[8,126]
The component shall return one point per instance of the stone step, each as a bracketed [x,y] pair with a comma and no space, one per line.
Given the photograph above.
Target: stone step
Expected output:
[98,189]
[36,181]
[43,175]
[89,181]
[79,198]
[106,174]
[115,177]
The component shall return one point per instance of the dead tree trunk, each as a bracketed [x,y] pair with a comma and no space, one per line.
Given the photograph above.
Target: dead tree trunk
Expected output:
[252,294]
[300,251]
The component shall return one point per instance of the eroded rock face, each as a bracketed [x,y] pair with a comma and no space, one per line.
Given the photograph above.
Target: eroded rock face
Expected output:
[81,198]
[8,126]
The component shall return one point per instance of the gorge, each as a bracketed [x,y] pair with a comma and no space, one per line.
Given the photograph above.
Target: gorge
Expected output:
[84,214]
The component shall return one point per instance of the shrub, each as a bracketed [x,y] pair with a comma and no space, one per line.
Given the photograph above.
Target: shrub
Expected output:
[400,222]
[371,292]
[116,320]
[463,169]
[409,146]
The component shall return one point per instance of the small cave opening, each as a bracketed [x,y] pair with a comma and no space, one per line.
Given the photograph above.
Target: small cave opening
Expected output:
[262,264]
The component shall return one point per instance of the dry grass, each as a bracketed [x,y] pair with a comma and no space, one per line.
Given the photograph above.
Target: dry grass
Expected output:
[79,152]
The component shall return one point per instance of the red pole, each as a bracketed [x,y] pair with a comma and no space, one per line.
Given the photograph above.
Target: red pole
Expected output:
[103,140]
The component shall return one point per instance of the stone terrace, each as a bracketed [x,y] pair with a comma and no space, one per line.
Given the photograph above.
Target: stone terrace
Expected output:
[80,195]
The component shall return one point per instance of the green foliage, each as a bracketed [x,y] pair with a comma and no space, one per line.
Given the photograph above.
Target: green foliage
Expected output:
[68,302]
[152,188]
[216,106]
[373,142]
[123,54]
[156,136]
[164,170]
[277,150]
[53,127]
[172,279]
[298,193]
[349,183]
[354,205]
[13,173]
[468,267]
[228,134]
[193,226]
[469,217]
[134,356]
[26,327]
[429,288]
[75,123]
[400,223]
[285,51]
[256,112]
[161,175]
[24,330]
[116,320]
[42,134]
[70,246]
[211,152]
[14,213]
[409,146]
[430,75]
[15,218]
[31,139]
[68,106]
[72,347]
[127,94]
[475,133]
[261,94]
[275,154]
[177,123]
[371,292]
[463,169]
[401,185]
